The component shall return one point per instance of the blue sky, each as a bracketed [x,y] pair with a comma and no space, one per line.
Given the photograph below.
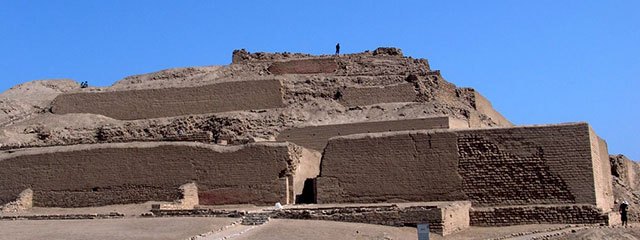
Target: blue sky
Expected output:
[543,61]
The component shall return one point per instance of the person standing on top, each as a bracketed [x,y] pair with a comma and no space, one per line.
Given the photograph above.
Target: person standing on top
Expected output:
[338,49]
[624,207]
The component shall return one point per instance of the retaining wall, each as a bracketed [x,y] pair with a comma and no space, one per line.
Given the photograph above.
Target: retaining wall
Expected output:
[168,102]
[304,66]
[104,174]
[316,137]
[490,167]
[362,96]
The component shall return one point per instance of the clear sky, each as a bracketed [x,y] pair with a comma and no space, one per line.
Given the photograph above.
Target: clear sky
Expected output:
[542,61]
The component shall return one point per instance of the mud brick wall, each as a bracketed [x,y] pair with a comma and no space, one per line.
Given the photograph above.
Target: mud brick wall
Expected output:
[443,219]
[316,137]
[103,174]
[553,164]
[602,172]
[400,166]
[566,214]
[168,102]
[304,66]
[528,165]
[484,106]
[362,96]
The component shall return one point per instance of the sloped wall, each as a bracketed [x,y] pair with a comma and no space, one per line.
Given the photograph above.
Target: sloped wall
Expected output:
[94,175]
[168,102]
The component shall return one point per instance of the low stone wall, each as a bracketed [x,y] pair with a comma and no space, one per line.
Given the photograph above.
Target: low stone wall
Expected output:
[304,66]
[64,217]
[169,102]
[121,173]
[362,96]
[316,137]
[566,214]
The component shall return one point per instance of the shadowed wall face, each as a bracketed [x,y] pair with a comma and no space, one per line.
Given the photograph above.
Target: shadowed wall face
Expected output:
[169,102]
[490,167]
[120,175]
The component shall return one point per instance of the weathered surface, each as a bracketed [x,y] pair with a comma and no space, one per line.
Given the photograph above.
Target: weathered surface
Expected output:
[491,167]
[566,214]
[316,137]
[362,96]
[305,66]
[168,102]
[405,166]
[93,175]
[444,218]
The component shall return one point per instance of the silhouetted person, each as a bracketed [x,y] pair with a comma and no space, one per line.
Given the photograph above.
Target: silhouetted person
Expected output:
[624,206]
[337,48]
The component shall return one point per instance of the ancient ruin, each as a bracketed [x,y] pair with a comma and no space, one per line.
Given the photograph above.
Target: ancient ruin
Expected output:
[372,137]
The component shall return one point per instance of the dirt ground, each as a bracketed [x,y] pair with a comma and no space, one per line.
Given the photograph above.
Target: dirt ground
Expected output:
[126,229]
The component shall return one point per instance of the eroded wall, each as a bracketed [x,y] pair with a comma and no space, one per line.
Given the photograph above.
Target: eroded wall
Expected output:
[484,106]
[94,175]
[490,167]
[304,66]
[168,102]
[362,96]
[405,166]
[316,137]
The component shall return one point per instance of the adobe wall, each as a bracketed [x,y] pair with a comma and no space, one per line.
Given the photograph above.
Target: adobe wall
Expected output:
[362,96]
[401,166]
[444,218]
[316,137]
[484,106]
[168,102]
[304,66]
[566,214]
[601,171]
[119,173]
[490,167]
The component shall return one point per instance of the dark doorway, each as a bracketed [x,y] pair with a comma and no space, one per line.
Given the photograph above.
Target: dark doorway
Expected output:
[308,192]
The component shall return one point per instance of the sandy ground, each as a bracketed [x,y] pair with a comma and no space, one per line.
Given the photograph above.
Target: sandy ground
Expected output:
[604,233]
[128,228]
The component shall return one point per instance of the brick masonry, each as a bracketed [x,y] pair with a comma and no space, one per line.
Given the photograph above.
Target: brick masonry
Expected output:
[490,167]
[104,174]
[362,96]
[304,66]
[566,214]
[169,102]
[316,137]
[443,218]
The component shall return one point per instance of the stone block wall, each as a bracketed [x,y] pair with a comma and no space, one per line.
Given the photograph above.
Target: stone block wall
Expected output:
[444,217]
[168,102]
[304,66]
[490,167]
[316,137]
[118,173]
[362,96]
